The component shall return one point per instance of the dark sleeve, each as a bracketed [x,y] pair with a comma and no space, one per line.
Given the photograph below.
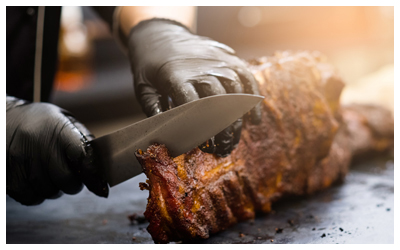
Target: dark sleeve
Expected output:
[106,13]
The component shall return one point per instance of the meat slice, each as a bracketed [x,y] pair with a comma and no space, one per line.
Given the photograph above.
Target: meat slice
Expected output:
[302,145]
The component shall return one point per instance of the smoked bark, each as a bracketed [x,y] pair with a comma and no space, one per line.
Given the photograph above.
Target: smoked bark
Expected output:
[302,145]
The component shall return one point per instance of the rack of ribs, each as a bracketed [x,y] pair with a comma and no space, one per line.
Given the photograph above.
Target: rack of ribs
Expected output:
[304,143]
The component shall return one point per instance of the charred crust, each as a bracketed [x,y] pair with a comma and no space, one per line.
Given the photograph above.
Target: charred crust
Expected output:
[302,145]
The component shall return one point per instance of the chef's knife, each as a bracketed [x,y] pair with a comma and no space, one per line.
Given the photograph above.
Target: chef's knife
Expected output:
[181,129]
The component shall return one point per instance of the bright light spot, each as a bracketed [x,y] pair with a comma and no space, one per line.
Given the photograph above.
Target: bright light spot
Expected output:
[387,11]
[249,16]
[75,41]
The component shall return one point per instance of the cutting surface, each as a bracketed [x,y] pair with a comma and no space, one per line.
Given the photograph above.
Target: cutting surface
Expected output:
[357,211]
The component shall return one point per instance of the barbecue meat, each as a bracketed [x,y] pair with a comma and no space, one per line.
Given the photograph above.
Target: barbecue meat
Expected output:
[371,130]
[302,145]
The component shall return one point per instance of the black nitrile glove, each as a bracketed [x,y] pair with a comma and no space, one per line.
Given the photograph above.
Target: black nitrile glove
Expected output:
[169,63]
[47,153]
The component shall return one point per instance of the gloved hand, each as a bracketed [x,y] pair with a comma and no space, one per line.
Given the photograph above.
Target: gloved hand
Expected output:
[47,153]
[169,63]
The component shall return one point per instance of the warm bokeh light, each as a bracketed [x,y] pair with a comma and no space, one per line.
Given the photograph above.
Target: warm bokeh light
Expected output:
[357,40]
[249,16]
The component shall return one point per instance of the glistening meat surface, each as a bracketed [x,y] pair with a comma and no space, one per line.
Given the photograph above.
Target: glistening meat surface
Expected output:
[301,146]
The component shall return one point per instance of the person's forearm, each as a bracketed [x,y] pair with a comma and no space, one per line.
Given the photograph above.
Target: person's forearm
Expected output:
[131,15]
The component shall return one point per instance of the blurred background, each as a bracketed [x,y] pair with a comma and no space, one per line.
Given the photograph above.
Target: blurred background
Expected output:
[94,80]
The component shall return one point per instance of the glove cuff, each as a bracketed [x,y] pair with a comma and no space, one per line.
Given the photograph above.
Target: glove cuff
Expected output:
[151,22]
[123,39]
[157,20]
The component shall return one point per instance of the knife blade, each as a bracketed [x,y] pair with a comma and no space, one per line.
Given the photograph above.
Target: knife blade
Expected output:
[181,129]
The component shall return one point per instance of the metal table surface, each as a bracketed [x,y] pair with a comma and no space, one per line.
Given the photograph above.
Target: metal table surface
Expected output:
[358,211]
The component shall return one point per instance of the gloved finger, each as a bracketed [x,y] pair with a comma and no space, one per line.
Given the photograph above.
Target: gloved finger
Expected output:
[228,139]
[58,195]
[81,128]
[62,176]
[148,97]
[225,48]
[29,160]
[208,86]
[66,179]
[223,142]
[40,179]
[250,86]
[229,80]
[236,130]
[91,176]
[79,156]
[166,103]
[27,197]
[183,93]
[20,188]
[174,80]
